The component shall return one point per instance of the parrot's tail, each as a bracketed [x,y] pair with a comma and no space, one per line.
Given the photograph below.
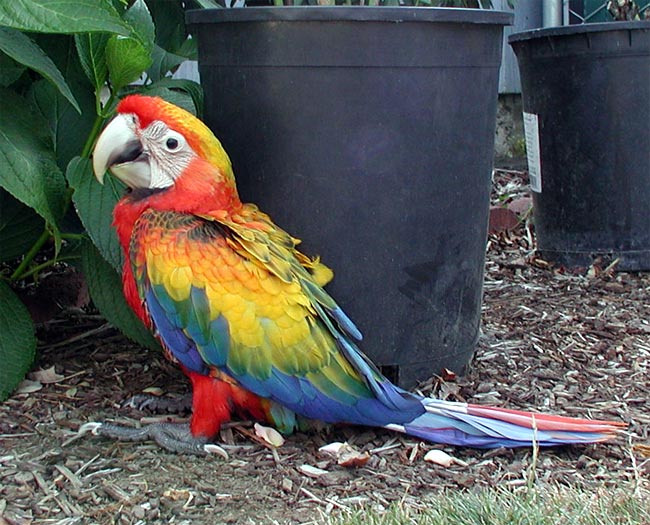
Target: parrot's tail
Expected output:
[487,427]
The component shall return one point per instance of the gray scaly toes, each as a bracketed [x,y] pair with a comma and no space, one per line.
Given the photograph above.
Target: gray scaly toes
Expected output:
[174,437]
[160,405]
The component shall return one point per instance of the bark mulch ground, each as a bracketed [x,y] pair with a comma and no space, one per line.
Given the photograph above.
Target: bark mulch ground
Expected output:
[570,342]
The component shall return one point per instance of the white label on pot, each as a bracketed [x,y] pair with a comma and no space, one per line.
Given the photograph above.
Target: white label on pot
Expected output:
[531,130]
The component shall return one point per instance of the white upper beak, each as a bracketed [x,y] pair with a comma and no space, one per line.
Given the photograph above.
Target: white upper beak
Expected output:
[119,149]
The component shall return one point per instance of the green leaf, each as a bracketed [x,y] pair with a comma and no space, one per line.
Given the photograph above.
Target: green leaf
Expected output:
[69,129]
[20,227]
[10,70]
[178,98]
[183,86]
[28,168]
[208,4]
[127,59]
[91,48]
[163,62]
[24,51]
[17,341]
[62,16]
[140,20]
[105,287]
[189,49]
[94,204]
[169,19]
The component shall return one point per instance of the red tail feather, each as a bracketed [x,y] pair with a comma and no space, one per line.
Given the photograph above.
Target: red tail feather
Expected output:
[545,421]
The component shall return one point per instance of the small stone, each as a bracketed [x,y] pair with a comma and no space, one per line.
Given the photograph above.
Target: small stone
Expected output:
[24,477]
[287,485]
[138,512]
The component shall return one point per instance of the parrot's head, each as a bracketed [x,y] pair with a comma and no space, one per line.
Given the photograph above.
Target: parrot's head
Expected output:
[150,143]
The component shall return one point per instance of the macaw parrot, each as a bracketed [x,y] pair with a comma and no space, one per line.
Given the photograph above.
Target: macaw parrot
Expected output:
[244,313]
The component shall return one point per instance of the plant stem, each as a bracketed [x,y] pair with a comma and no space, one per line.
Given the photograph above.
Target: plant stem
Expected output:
[91,137]
[46,264]
[74,236]
[99,120]
[29,257]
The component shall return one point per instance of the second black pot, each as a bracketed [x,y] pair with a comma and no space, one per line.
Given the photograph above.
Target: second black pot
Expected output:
[586,90]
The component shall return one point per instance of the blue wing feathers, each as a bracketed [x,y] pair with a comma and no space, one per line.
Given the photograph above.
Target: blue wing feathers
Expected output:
[216,350]
[346,323]
[174,339]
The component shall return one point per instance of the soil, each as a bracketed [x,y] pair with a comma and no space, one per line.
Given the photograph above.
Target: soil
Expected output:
[571,342]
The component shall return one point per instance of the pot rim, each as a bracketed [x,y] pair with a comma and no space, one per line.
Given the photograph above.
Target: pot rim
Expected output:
[602,27]
[349,13]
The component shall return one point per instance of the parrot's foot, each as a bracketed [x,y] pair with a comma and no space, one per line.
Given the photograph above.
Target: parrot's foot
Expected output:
[174,437]
[159,405]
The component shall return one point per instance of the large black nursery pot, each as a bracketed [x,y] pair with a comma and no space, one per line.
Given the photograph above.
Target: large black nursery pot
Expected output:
[368,133]
[586,99]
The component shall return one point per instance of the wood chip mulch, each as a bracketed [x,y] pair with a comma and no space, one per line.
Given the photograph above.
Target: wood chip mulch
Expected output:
[574,342]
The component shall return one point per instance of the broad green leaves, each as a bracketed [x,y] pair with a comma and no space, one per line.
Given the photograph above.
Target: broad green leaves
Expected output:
[24,51]
[68,128]
[28,168]
[10,70]
[162,61]
[64,64]
[170,35]
[128,57]
[172,45]
[17,342]
[183,93]
[62,16]
[94,203]
[208,4]
[20,226]
[139,19]
[105,287]
[91,48]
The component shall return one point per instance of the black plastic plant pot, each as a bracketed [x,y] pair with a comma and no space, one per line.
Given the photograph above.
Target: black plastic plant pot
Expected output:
[369,134]
[586,99]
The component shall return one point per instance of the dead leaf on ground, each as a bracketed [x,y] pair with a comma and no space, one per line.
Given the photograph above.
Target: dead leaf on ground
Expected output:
[46,376]
[345,455]
[440,457]
[27,386]
[268,434]
[311,471]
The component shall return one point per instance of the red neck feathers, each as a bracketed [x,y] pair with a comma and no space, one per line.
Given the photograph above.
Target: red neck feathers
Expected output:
[201,190]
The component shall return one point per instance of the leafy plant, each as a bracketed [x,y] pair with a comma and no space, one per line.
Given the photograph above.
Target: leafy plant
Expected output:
[627,10]
[482,4]
[63,66]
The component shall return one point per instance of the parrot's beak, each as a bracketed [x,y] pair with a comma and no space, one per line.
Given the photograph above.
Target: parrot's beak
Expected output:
[119,150]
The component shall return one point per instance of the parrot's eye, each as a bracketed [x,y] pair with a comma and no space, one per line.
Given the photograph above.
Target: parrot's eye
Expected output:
[173,141]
